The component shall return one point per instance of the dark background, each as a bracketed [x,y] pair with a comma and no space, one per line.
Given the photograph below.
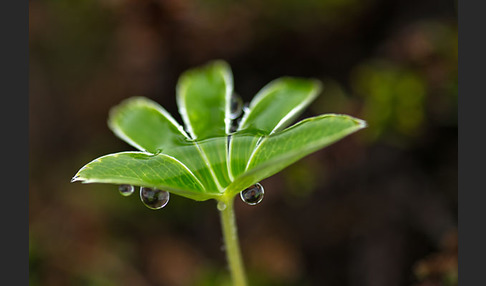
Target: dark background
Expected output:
[377,208]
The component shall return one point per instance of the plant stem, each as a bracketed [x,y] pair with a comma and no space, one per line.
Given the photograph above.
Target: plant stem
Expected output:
[232,246]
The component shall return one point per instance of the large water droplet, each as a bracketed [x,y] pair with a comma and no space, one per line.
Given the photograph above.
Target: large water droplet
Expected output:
[236,105]
[126,190]
[253,195]
[154,198]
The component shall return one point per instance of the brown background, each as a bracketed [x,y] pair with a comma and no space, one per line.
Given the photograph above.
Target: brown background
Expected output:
[377,208]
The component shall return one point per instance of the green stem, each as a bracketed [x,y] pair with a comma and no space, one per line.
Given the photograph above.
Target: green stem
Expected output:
[232,246]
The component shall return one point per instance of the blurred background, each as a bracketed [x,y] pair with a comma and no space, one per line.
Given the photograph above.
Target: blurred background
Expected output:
[377,208]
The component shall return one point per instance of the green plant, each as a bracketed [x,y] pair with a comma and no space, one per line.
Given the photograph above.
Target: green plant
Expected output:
[215,157]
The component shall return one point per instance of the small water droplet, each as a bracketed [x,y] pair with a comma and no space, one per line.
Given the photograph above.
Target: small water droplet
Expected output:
[234,125]
[154,198]
[74,179]
[126,190]
[221,206]
[253,194]
[246,107]
[236,105]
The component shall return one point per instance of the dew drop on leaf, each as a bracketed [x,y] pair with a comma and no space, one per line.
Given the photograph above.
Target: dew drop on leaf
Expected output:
[154,198]
[246,107]
[234,125]
[236,106]
[252,195]
[126,190]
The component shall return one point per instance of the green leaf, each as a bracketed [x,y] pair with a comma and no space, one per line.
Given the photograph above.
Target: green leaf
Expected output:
[305,137]
[209,162]
[279,103]
[204,96]
[279,150]
[146,125]
[143,169]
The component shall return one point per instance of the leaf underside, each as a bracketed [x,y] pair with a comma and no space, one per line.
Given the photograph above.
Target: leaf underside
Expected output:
[205,160]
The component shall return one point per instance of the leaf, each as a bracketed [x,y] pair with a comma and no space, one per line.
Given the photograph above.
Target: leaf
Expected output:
[278,103]
[203,97]
[281,149]
[144,169]
[146,125]
[305,137]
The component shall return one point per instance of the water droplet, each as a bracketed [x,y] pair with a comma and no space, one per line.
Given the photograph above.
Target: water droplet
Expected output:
[154,198]
[74,179]
[236,106]
[126,190]
[221,206]
[246,107]
[234,125]
[253,195]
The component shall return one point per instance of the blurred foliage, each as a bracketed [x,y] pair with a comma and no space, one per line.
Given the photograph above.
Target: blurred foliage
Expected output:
[375,209]
[416,82]
[440,268]
[394,100]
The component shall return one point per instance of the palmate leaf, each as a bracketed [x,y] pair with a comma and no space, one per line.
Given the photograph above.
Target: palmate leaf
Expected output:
[205,160]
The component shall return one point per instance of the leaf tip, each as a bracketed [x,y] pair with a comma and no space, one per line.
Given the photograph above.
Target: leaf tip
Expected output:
[125,106]
[317,84]
[76,178]
[361,123]
[220,63]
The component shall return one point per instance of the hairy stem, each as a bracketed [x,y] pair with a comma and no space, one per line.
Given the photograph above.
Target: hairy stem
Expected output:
[232,246]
